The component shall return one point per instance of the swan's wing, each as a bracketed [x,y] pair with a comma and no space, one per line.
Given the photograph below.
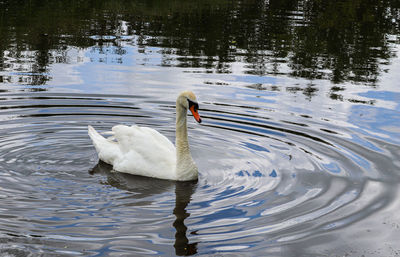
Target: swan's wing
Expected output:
[163,140]
[136,150]
[144,152]
[146,142]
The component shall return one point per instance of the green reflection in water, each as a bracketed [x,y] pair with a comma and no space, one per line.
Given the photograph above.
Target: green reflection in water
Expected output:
[333,40]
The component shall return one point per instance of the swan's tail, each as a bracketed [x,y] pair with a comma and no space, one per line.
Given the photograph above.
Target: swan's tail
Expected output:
[94,135]
[107,149]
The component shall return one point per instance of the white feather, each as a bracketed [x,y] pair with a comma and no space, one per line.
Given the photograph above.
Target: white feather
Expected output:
[144,151]
[137,150]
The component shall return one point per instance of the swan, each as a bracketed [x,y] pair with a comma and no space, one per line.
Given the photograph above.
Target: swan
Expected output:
[144,151]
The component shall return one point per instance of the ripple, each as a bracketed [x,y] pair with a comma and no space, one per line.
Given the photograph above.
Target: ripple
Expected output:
[267,181]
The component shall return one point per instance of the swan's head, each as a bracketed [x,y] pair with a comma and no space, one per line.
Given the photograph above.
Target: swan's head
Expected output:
[188,101]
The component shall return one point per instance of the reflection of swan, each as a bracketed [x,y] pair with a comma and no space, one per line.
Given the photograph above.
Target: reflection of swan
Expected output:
[144,151]
[143,187]
[183,194]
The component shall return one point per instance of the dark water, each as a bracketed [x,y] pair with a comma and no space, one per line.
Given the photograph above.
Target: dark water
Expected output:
[298,152]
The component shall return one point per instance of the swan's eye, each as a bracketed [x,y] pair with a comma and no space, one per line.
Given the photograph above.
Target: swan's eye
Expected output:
[191,103]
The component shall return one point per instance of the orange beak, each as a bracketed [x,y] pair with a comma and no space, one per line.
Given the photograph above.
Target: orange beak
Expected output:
[195,114]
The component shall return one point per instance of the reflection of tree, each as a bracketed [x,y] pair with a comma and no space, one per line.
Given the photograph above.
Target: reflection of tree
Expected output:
[335,40]
[342,37]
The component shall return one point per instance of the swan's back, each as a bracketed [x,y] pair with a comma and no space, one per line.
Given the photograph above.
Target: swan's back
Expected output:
[137,150]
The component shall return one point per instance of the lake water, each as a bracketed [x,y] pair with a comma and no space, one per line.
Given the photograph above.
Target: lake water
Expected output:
[298,152]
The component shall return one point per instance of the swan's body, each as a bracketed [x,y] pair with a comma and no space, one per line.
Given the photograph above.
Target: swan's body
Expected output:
[144,151]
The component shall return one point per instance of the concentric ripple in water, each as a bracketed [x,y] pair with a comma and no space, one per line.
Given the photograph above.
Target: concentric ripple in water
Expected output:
[269,180]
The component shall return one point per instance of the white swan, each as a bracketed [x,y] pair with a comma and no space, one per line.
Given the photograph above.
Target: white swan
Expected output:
[144,151]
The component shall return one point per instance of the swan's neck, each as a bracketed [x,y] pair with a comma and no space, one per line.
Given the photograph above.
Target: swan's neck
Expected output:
[185,166]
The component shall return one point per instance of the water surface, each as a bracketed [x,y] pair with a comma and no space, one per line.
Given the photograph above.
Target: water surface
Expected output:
[298,152]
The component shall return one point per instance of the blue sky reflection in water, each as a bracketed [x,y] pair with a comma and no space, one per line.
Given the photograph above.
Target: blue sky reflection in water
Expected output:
[298,151]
